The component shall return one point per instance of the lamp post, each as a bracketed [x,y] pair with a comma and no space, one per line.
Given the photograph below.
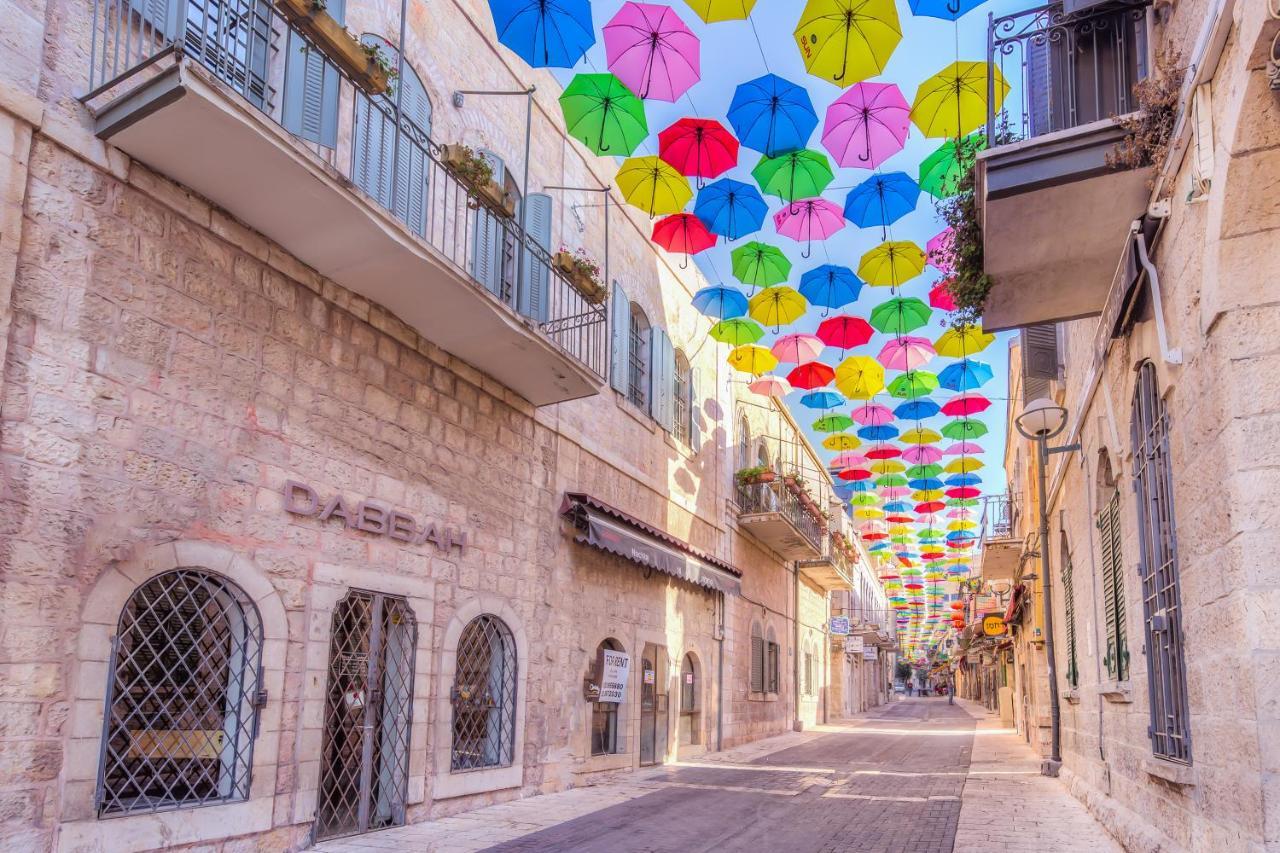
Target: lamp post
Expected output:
[1040,421]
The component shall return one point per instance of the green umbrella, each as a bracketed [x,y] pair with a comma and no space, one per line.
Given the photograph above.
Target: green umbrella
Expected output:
[964,429]
[924,472]
[962,502]
[760,264]
[864,499]
[796,174]
[603,114]
[901,540]
[891,480]
[929,532]
[941,171]
[832,423]
[900,315]
[737,331]
[913,384]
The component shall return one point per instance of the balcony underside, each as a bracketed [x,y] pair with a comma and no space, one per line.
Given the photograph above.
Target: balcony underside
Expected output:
[825,574]
[1000,559]
[774,531]
[1055,218]
[191,128]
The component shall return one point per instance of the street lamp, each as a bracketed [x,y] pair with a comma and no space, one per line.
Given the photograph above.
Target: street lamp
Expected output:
[1041,420]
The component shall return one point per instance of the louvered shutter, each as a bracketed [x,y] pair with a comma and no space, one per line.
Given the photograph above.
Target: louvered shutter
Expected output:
[620,338]
[486,259]
[771,667]
[533,290]
[1069,608]
[1039,117]
[757,664]
[1039,346]
[411,166]
[695,411]
[310,108]
[163,16]
[662,378]
[1117,655]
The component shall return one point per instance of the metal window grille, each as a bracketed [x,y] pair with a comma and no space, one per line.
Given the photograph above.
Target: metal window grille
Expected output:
[1069,606]
[638,382]
[484,696]
[1158,568]
[182,695]
[683,420]
[1116,658]
[771,667]
[808,673]
[604,715]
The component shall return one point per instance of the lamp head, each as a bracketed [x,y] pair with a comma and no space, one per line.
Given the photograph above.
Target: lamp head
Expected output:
[1041,418]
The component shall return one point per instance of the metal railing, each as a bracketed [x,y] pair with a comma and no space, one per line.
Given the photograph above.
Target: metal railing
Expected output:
[1066,69]
[999,516]
[381,143]
[775,497]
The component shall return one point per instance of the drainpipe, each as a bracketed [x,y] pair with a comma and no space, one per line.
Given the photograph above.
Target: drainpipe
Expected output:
[720,601]
[795,645]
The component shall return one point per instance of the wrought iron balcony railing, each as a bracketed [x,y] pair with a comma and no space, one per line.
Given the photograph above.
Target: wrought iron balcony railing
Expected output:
[381,143]
[775,497]
[999,516]
[1066,69]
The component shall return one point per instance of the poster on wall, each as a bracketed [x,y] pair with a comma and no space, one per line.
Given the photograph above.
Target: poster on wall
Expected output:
[614,669]
[839,625]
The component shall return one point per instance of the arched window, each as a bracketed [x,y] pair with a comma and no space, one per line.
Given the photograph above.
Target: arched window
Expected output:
[604,715]
[1110,537]
[182,694]
[638,380]
[683,399]
[757,658]
[744,443]
[484,695]
[690,701]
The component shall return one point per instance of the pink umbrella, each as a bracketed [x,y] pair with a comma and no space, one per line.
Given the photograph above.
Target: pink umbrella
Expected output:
[870,414]
[849,459]
[941,253]
[968,403]
[794,349]
[866,125]
[906,353]
[894,492]
[770,386]
[921,454]
[652,51]
[809,219]
[962,448]
[940,296]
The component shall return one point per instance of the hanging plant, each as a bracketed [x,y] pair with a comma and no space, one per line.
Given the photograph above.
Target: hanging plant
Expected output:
[1149,130]
[583,273]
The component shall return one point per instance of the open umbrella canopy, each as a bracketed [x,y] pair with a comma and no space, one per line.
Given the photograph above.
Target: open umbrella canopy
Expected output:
[777,306]
[921,454]
[545,33]
[653,185]
[900,315]
[760,265]
[963,465]
[940,295]
[963,448]
[942,171]
[683,233]
[714,11]
[794,174]
[906,353]
[832,423]
[913,384]
[830,286]
[797,347]
[751,359]
[809,219]
[964,429]
[963,342]
[731,208]
[650,49]
[965,375]
[846,41]
[940,250]
[698,147]
[916,410]
[603,114]
[841,442]
[891,263]
[947,10]
[845,332]
[881,200]
[737,331]
[720,302]
[770,386]
[963,405]
[813,374]
[859,377]
[953,102]
[920,435]
[866,125]
[821,400]
[883,432]
[871,414]
[888,466]
[772,115]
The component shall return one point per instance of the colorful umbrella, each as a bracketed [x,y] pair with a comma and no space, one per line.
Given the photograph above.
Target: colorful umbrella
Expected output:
[913,384]
[962,480]
[883,432]
[772,115]
[953,102]
[922,471]
[963,405]
[683,233]
[870,414]
[890,466]
[859,377]
[841,442]
[940,295]
[844,332]
[545,34]
[720,302]
[941,253]
[962,448]
[921,454]
[832,423]
[813,374]
[891,264]
[731,208]
[770,386]
[830,286]
[916,410]
[603,114]
[713,11]
[845,41]
[866,125]
[751,359]
[964,341]
[964,429]
[900,315]
[653,185]
[760,264]
[737,331]
[906,353]
[698,147]
[920,435]
[881,200]
[943,170]
[947,10]
[651,50]
[793,175]
[965,375]
[963,465]
[797,348]
[777,306]
[821,399]
[807,220]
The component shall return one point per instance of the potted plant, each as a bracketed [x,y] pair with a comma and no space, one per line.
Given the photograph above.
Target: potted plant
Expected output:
[366,65]
[755,474]
[582,272]
[476,173]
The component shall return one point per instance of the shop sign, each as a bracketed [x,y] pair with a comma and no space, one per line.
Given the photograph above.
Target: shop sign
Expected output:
[993,625]
[869,652]
[614,668]
[853,644]
[840,625]
[370,516]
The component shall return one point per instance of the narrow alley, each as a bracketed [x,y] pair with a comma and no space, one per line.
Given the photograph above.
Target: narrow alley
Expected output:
[915,775]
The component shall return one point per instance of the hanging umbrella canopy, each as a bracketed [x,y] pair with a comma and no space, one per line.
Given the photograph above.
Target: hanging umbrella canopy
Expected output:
[821,400]
[777,306]
[906,353]
[941,252]
[870,414]
[921,454]
[794,174]
[737,331]
[865,499]
[940,295]
[830,286]
[714,11]
[953,102]
[965,375]
[963,448]
[603,114]
[947,10]
[772,115]
[854,475]
[957,480]
[889,466]
[832,423]
[720,302]
[653,185]
[900,315]
[942,171]
[813,374]
[683,233]
[760,264]
[731,208]
[913,384]
[698,147]
[891,263]
[881,200]
[866,125]
[963,405]
[920,435]
[859,377]
[769,386]
[925,471]
[650,49]
[916,410]
[841,442]
[848,459]
[846,41]
[963,342]
[809,219]
[554,34]
[844,332]
[884,432]
[964,429]
[797,348]
[963,465]
[751,359]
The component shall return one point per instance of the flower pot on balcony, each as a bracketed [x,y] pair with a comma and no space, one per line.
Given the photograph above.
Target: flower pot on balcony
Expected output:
[473,173]
[337,44]
[592,291]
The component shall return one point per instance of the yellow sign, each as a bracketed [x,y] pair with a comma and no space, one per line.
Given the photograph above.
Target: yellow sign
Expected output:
[993,625]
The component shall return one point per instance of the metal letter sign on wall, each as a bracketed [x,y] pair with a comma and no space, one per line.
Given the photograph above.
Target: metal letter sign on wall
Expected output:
[614,668]
[370,516]
[840,625]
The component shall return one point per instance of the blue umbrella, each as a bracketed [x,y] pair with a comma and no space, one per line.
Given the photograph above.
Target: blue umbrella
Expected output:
[878,546]
[881,200]
[965,375]
[545,33]
[961,480]
[916,410]
[897,506]
[772,115]
[731,208]
[947,10]
[843,492]
[720,302]
[821,399]
[862,486]
[830,286]
[925,484]
[883,432]
[961,535]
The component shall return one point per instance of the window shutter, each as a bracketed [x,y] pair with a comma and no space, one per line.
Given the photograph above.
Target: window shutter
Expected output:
[533,290]
[620,340]
[1069,608]
[310,107]
[1039,360]
[163,15]
[1038,87]
[662,377]
[757,665]
[771,667]
[1202,163]
[695,411]
[411,167]
[1117,654]
[486,260]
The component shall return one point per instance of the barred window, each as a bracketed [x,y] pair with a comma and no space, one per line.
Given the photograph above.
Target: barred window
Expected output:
[638,376]
[808,673]
[484,696]
[683,397]
[744,443]
[182,693]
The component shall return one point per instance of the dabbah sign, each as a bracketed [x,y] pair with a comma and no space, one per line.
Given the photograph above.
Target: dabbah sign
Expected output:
[370,516]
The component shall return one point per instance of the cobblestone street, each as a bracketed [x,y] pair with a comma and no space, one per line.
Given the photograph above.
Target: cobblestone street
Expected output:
[917,775]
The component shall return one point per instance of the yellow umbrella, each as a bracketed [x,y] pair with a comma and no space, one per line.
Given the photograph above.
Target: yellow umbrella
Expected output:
[847,41]
[964,341]
[963,465]
[752,359]
[712,11]
[653,185]
[860,377]
[868,512]
[899,529]
[887,466]
[777,306]
[922,495]
[841,441]
[953,102]
[892,263]
[962,524]
[919,435]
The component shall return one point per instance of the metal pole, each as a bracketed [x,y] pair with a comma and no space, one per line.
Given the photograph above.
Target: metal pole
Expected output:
[524,194]
[991,83]
[1050,767]
[395,155]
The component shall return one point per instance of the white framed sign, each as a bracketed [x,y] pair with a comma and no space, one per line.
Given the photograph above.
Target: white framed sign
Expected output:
[853,644]
[614,669]
[869,652]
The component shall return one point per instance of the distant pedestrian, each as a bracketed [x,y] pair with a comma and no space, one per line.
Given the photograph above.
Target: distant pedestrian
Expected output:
[946,685]
[910,687]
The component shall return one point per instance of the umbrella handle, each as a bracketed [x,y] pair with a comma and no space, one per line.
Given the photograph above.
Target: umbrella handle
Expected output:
[684,265]
[953,6]
[604,117]
[808,249]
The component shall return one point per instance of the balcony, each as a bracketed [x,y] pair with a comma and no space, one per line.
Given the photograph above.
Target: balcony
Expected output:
[1001,548]
[778,519]
[350,183]
[1055,216]
[834,568]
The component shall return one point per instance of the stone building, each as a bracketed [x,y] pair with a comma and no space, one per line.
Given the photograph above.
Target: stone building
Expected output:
[1148,313]
[329,501]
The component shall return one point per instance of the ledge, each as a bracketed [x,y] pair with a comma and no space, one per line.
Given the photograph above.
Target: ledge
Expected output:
[466,782]
[1118,692]
[1072,696]
[762,697]
[602,763]
[1170,771]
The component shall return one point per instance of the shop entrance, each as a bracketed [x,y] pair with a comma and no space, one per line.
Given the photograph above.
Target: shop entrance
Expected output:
[653,705]
[364,770]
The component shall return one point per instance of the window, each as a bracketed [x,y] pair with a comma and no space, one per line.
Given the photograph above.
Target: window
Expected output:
[690,709]
[771,663]
[808,672]
[604,715]
[757,658]
[638,377]
[1158,568]
[1069,606]
[682,397]
[744,443]
[484,696]
[182,694]
[1116,658]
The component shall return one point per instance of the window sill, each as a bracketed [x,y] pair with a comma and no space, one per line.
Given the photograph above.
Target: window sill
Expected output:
[756,696]
[1118,692]
[601,763]
[465,782]
[680,447]
[1072,696]
[1170,771]
[170,828]
[638,415]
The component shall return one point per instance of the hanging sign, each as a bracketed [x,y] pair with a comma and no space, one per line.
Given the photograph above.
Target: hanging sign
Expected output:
[993,625]
[869,652]
[840,625]
[853,644]
[613,668]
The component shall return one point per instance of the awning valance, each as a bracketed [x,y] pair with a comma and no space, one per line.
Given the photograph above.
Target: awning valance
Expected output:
[615,531]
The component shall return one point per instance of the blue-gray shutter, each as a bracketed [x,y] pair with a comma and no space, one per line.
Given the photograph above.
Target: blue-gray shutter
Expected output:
[486,256]
[533,290]
[662,378]
[311,87]
[620,339]
[1040,82]
[411,168]
[695,411]
[162,15]
[231,38]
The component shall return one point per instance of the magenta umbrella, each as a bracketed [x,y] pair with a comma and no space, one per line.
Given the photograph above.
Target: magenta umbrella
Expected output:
[796,349]
[962,448]
[866,125]
[871,414]
[652,51]
[921,454]
[849,459]
[906,353]
[894,492]
[968,403]
[939,251]
[809,219]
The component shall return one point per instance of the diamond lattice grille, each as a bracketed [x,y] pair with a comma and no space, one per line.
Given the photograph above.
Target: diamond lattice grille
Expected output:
[180,712]
[484,696]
